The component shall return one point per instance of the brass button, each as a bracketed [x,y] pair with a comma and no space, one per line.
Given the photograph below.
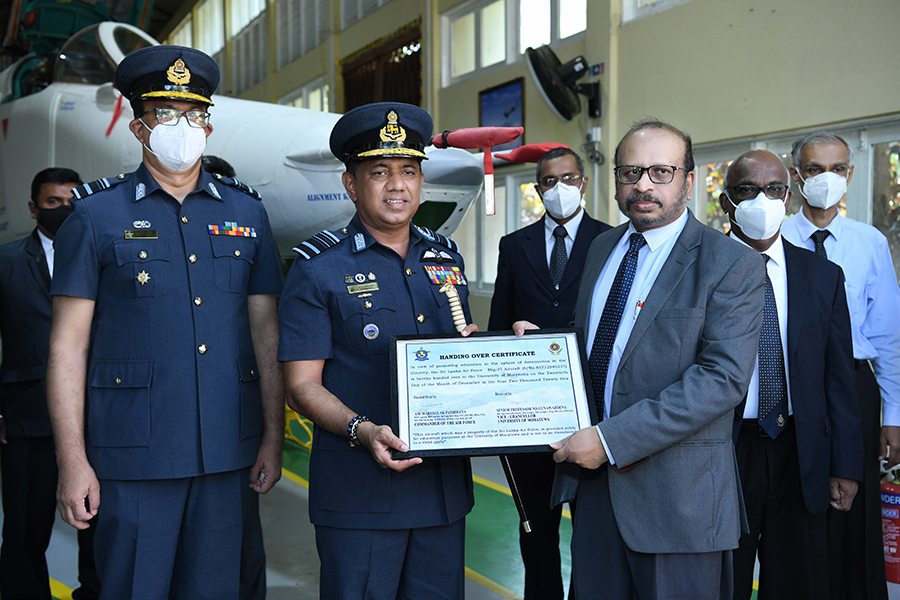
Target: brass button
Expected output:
[420,318]
[192,258]
[408,271]
[218,176]
[252,373]
[183,219]
[198,300]
[344,230]
[367,304]
[202,349]
[237,252]
[142,254]
[120,176]
[118,381]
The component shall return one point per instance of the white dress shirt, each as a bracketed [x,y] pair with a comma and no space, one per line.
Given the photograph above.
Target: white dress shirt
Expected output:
[777,272]
[651,258]
[47,245]
[571,231]
[873,297]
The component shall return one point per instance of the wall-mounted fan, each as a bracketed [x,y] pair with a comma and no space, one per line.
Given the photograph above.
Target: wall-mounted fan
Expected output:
[556,83]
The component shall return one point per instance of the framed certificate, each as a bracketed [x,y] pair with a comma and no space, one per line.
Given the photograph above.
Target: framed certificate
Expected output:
[489,393]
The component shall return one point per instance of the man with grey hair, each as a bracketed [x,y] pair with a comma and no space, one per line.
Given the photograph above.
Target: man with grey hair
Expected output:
[822,168]
[672,312]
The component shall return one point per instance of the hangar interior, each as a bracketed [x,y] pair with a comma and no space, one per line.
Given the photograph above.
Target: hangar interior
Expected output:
[735,74]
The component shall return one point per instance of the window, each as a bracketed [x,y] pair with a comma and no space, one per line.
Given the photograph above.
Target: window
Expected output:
[313,95]
[185,34]
[482,34]
[211,27]
[354,10]
[300,27]
[243,12]
[248,55]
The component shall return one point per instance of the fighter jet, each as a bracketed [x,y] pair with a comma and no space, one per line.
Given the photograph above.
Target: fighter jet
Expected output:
[61,110]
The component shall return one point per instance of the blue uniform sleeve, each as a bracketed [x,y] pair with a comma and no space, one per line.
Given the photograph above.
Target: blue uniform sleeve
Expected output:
[265,276]
[76,269]
[304,319]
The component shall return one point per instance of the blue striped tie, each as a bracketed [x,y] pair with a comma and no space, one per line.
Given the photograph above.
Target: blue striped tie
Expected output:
[608,327]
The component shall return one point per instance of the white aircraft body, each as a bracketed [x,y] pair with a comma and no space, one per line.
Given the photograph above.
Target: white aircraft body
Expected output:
[69,119]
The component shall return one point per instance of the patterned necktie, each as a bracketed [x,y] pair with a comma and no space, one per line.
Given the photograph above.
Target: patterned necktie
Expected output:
[558,257]
[819,238]
[773,405]
[608,326]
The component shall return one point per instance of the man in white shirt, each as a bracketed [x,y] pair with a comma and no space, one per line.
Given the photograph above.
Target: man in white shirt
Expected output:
[822,168]
[790,468]
[673,312]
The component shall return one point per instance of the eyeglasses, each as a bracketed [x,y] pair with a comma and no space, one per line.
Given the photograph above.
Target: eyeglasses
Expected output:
[631,174]
[775,191]
[170,116]
[569,179]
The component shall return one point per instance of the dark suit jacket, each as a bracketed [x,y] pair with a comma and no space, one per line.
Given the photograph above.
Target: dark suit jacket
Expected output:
[686,365]
[523,290]
[822,380]
[25,310]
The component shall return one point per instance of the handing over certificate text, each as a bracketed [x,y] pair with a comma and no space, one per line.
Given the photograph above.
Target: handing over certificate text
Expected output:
[488,393]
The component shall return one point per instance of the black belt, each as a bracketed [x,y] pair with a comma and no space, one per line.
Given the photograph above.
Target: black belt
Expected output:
[752,426]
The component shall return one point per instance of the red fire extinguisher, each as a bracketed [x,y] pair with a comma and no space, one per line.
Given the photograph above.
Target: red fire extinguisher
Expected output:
[890,527]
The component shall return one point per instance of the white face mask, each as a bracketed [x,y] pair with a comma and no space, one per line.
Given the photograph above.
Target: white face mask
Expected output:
[177,146]
[824,190]
[562,201]
[760,218]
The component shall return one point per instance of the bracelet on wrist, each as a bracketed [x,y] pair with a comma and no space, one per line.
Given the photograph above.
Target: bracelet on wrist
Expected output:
[352,426]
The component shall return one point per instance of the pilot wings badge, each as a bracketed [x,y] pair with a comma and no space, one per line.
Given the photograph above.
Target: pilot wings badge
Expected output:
[436,255]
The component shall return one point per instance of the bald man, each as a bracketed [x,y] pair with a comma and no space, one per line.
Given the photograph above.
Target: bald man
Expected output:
[799,443]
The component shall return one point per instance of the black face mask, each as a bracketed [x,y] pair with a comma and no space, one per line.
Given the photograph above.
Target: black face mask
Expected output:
[52,218]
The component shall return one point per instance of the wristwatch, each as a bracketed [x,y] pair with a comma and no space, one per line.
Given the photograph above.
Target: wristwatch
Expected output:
[352,427]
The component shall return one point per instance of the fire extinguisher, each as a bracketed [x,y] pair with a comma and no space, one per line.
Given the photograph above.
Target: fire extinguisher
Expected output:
[890,527]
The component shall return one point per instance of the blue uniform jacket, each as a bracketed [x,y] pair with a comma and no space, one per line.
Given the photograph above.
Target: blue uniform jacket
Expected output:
[321,317]
[173,386]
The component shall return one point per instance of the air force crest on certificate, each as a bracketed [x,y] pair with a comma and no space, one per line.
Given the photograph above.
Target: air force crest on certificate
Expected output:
[421,354]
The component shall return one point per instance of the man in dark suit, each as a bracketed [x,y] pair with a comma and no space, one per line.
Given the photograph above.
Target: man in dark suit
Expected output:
[797,444]
[672,311]
[537,280]
[27,455]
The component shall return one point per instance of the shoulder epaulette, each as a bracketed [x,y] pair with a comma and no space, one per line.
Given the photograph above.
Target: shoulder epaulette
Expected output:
[86,189]
[241,186]
[440,239]
[319,243]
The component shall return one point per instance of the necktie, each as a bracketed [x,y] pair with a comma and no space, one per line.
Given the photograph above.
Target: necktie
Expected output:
[819,238]
[773,405]
[608,326]
[558,257]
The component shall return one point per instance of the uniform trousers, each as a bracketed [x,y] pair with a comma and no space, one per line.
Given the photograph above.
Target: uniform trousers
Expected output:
[855,545]
[253,553]
[177,539]
[789,539]
[603,566]
[540,547]
[29,474]
[389,564]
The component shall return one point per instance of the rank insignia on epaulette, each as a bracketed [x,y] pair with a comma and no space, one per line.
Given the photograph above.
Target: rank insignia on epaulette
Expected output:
[359,241]
[140,191]
[213,190]
[86,189]
[439,275]
[232,228]
[317,244]
[435,255]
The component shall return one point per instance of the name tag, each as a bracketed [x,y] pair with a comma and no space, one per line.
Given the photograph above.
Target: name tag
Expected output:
[365,287]
[141,234]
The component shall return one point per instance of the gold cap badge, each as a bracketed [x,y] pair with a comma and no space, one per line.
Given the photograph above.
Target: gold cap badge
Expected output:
[392,132]
[178,73]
